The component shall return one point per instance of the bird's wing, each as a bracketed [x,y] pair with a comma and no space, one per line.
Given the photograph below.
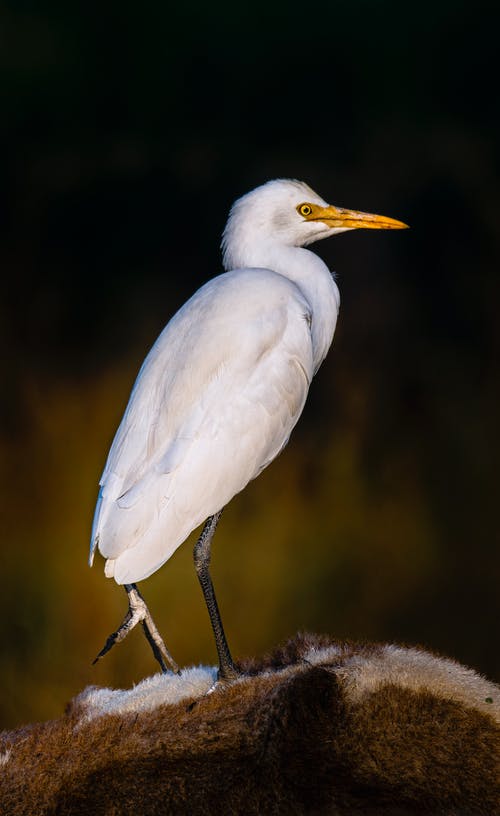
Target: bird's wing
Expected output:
[215,401]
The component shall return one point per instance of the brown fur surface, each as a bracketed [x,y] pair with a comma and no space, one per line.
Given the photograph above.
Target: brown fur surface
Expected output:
[311,730]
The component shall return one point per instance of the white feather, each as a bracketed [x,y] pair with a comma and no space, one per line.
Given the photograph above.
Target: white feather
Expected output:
[221,390]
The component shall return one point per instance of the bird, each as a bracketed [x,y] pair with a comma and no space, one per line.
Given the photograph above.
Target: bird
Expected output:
[218,395]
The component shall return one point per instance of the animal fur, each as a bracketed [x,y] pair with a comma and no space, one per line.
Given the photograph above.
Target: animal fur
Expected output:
[317,727]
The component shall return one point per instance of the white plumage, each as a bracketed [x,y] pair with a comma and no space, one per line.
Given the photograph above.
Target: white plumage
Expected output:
[223,386]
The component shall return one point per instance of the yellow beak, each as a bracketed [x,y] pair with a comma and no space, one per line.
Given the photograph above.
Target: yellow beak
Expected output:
[352,219]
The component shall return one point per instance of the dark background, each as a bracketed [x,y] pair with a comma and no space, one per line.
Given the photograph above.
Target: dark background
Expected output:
[126,134]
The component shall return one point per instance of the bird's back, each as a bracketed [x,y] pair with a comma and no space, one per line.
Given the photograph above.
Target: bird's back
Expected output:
[214,402]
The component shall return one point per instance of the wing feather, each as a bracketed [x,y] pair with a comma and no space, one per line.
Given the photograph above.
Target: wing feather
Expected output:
[214,402]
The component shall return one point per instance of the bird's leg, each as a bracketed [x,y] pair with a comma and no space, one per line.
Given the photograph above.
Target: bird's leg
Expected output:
[138,611]
[227,669]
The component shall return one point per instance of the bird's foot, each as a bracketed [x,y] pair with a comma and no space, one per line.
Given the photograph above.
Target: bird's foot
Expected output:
[138,612]
[220,685]
[223,683]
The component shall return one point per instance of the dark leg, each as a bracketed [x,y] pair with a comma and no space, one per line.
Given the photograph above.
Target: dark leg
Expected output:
[227,669]
[138,611]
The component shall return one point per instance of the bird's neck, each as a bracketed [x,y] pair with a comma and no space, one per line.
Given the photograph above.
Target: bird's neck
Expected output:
[313,278]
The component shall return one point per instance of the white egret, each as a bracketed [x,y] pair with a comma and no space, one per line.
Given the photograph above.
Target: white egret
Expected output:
[219,393]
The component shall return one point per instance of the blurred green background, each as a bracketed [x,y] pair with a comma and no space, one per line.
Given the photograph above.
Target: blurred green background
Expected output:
[126,134]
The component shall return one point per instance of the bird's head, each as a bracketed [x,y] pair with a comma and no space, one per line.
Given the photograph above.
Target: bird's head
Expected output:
[288,213]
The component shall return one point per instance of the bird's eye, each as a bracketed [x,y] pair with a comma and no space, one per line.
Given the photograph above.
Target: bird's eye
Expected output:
[304,209]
